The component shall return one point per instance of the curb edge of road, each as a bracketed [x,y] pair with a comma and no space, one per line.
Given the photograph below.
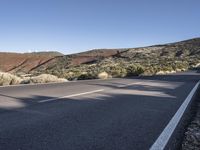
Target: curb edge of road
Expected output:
[171,136]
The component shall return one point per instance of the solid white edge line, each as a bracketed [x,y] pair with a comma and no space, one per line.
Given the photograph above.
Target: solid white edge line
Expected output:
[164,137]
[73,95]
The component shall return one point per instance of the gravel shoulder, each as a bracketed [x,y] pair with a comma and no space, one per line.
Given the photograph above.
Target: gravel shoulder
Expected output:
[192,135]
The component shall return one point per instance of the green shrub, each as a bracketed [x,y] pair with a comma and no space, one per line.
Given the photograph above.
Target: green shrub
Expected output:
[87,76]
[134,70]
[118,71]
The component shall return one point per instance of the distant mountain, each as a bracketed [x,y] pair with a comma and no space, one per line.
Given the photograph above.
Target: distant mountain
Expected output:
[173,56]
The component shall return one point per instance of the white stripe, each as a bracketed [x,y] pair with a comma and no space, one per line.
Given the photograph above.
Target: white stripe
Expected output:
[164,137]
[68,96]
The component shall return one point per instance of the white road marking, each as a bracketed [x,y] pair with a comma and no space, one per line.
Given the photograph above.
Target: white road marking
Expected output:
[69,96]
[123,86]
[164,137]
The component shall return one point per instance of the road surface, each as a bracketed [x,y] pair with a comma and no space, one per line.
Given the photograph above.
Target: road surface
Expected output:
[114,114]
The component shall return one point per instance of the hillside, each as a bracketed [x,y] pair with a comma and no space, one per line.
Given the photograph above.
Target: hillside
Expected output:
[117,62]
[23,63]
[68,61]
[29,62]
[122,62]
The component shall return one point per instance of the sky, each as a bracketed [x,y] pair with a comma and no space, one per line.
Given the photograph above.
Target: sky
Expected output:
[71,26]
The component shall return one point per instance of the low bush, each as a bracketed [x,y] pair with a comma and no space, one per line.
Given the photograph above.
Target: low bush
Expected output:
[103,75]
[87,76]
[70,75]
[46,78]
[164,72]
[9,79]
[118,71]
[134,70]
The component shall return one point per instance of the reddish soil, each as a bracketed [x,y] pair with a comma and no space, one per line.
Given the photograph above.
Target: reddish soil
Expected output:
[12,62]
[16,62]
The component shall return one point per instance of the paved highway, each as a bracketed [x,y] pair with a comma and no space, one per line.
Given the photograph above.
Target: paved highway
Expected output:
[115,114]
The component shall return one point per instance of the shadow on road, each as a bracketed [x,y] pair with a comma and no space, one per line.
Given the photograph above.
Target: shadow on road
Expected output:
[109,121]
[106,120]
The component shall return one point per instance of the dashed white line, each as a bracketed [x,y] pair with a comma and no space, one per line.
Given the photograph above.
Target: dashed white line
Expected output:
[69,96]
[164,137]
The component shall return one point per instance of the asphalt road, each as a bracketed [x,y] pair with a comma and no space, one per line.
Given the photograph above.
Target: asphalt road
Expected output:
[115,114]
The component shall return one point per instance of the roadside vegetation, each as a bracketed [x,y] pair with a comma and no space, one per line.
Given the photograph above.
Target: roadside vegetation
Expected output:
[152,60]
[113,63]
[10,79]
[115,69]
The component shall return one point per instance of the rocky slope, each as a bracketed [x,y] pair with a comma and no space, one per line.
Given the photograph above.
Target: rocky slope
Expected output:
[168,57]
[29,62]
[120,62]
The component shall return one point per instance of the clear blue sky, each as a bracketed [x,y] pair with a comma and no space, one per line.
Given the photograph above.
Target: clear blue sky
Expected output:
[71,26]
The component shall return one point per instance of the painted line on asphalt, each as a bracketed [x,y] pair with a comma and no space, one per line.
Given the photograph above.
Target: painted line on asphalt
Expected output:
[123,86]
[164,137]
[69,96]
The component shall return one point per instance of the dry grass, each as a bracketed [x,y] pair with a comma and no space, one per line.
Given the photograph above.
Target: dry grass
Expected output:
[103,75]
[46,78]
[165,72]
[9,79]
